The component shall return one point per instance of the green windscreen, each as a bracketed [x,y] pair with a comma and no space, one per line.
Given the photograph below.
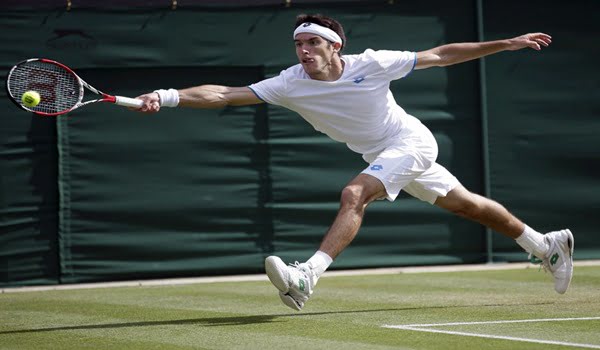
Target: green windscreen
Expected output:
[109,194]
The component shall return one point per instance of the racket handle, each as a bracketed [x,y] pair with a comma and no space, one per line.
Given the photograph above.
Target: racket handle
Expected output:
[128,102]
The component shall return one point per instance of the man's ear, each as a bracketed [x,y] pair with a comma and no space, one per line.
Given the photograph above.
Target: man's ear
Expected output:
[337,47]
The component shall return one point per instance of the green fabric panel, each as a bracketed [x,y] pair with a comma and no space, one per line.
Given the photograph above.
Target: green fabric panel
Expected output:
[81,38]
[544,125]
[169,194]
[28,197]
[309,170]
[198,192]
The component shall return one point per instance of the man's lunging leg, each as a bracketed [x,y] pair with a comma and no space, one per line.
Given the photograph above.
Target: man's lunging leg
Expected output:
[355,197]
[296,283]
[555,249]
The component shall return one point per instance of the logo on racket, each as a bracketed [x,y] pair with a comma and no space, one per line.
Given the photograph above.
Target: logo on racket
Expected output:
[58,88]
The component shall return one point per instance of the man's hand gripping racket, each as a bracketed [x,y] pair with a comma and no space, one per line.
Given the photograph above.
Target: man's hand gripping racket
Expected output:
[59,88]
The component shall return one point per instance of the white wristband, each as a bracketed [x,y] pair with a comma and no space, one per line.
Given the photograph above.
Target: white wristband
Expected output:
[168,98]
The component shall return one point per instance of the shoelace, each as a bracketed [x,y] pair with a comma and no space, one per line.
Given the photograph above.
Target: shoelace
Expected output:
[537,261]
[308,273]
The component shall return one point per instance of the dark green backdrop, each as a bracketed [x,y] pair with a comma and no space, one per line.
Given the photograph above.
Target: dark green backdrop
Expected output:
[108,194]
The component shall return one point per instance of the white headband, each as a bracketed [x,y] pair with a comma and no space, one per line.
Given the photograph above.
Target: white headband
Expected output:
[313,28]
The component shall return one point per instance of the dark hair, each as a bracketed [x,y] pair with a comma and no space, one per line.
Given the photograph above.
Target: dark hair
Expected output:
[324,21]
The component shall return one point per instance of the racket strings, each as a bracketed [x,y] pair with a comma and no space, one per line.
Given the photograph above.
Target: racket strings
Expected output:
[59,89]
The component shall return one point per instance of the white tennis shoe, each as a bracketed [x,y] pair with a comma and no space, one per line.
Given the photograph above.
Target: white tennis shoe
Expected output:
[294,282]
[559,259]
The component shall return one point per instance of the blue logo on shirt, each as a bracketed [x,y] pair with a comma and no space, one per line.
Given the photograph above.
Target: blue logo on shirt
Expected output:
[358,80]
[376,167]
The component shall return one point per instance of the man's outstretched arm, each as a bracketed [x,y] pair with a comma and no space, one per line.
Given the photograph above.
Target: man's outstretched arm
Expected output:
[450,54]
[205,96]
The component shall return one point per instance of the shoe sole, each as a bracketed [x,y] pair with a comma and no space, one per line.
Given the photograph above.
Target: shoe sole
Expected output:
[289,301]
[274,268]
[571,243]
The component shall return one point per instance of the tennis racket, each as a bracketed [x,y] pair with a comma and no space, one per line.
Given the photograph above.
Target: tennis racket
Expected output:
[60,89]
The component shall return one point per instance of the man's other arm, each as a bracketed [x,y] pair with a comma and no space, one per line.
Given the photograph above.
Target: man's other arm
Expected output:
[450,54]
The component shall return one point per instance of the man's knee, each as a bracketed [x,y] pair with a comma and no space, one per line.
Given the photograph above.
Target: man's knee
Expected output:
[468,207]
[361,191]
[352,197]
[464,203]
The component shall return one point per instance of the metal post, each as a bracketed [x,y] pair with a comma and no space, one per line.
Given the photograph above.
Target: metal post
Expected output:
[484,128]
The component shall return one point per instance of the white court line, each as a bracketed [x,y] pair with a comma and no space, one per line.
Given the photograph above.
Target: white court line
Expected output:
[503,321]
[425,328]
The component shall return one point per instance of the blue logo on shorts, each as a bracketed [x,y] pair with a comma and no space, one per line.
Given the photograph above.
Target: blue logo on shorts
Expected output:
[376,167]
[358,80]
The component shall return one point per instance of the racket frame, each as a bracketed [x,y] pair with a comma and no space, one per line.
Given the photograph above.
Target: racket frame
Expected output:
[120,100]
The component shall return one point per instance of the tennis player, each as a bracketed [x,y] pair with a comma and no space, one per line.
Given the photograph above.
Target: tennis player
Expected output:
[347,97]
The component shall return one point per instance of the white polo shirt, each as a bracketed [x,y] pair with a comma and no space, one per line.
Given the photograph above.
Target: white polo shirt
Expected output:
[357,109]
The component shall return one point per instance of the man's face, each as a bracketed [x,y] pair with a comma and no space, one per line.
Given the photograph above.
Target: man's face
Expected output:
[314,53]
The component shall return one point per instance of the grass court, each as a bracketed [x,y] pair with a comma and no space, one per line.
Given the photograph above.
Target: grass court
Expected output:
[515,308]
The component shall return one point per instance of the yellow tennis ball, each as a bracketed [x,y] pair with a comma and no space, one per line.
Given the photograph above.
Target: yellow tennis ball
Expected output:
[31,98]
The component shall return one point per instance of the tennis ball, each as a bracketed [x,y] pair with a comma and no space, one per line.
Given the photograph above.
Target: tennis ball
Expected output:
[31,98]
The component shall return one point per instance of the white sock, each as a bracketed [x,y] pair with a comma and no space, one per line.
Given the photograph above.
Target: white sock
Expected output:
[533,242]
[318,263]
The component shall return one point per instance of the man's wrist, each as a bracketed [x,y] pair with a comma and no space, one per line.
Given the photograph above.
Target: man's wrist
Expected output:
[168,98]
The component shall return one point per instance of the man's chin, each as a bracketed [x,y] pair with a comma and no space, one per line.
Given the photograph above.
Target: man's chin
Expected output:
[309,69]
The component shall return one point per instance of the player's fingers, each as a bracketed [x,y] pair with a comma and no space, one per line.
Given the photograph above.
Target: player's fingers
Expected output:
[545,36]
[530,40]
[543,40]
[533,44]
[543,43]
[548,41]
[150,105]
[145,107]
[542,37]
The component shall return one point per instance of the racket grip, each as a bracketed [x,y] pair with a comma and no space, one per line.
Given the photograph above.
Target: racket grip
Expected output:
[128,102]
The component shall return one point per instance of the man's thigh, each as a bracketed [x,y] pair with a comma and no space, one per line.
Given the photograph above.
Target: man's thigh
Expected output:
[434,183]
[396,173]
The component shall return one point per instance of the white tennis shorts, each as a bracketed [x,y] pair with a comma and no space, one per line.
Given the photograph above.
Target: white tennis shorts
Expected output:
[408,164]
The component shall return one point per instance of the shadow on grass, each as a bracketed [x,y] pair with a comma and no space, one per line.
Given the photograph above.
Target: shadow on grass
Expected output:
[244,320]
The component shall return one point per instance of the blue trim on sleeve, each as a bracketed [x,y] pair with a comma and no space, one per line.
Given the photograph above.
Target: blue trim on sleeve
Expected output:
[414,65]
[257,95]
